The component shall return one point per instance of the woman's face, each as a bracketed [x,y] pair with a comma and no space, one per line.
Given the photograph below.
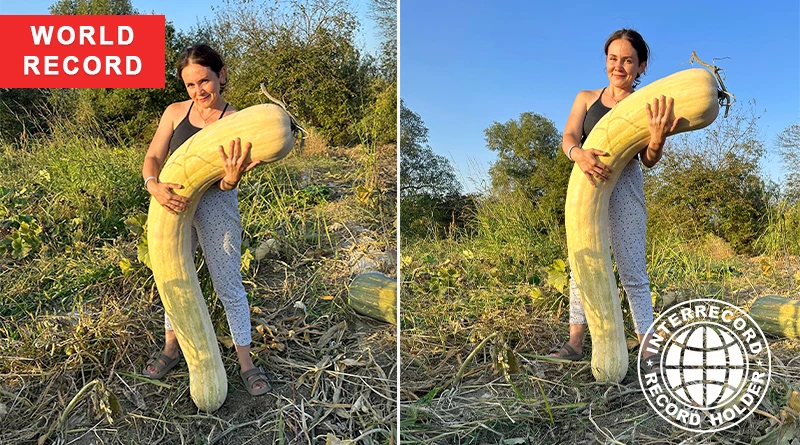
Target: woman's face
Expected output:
[622,64]
[202,84]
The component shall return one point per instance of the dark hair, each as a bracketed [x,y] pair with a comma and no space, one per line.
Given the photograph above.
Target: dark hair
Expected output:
[204,55]
[638,43]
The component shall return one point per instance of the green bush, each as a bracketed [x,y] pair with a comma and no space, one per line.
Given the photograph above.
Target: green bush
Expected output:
[709,182]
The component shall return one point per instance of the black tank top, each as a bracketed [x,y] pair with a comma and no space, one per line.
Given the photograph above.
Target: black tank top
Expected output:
[185,130]
[593,115]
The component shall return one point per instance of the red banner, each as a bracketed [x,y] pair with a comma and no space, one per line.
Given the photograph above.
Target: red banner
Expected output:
[83,51]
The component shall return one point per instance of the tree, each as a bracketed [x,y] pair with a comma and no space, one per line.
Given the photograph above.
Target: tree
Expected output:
[379,123]
[23,113]
[92,7]
[781,235]
[385,14]
[304,51]
[422,172]
[528,161]
[131,111]
[430,198]
[708,182]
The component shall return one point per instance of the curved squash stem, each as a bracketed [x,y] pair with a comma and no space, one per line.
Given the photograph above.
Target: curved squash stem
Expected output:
[726,99]
[468,360]
[62,419]
[296,127]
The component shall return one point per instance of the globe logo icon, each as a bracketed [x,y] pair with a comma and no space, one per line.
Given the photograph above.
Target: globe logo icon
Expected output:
[705,365]
[708,366]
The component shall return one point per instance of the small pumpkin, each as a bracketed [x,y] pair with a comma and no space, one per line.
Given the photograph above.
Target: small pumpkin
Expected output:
[777,315]
[375,295]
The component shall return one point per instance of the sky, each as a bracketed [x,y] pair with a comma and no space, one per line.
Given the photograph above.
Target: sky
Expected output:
[185,14]
[467,64]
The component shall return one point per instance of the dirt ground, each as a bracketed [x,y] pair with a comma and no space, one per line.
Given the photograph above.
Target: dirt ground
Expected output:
[510,392]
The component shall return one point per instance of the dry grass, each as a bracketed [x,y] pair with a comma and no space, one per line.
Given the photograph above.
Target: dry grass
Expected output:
[333,373]
[314,144]
[69,376]
[475,368]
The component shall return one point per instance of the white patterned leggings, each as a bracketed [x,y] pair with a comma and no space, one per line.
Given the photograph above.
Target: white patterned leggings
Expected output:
[627,227]
[218,228]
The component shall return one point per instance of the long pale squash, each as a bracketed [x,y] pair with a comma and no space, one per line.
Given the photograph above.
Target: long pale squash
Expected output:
[621,133]
[197,165]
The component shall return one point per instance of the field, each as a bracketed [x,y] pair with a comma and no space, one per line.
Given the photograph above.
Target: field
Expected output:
[479,318]
[80,314]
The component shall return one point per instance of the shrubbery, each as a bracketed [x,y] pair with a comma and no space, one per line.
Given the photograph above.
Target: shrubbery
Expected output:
[708,183]
[304,51]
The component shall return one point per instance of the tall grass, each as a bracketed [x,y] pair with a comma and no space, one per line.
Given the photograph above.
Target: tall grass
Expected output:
[79,189]
[781,236]
[512,224]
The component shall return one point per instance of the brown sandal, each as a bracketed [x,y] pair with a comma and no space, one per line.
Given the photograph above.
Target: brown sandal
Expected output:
[570,355]
[162,363]
[249,378]
[651,364]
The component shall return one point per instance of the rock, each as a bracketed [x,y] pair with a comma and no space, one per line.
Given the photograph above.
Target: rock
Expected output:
[266,248]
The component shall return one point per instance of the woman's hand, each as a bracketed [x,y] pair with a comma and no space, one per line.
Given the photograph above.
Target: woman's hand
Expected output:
[235,163]
[591,166]
[168,199]
[662,122]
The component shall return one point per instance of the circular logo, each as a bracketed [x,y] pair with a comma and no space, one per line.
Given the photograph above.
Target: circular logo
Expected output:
[708,365]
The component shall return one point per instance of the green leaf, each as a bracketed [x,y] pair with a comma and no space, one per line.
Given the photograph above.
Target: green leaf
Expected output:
[143,252]
[427,398]
[44,175]
[557,276]
[247,257]
[511,359]
[114,404]
[125,266]
[406,260]
[136,224]
[17,246]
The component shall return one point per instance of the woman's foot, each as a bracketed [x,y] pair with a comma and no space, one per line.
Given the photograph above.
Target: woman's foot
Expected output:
[651,361]
[159,365]
[572,349]
[568,351]
[254,379]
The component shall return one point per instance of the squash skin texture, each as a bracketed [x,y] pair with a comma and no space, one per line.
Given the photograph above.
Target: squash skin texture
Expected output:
[197,165]
[622,133]
[374,295]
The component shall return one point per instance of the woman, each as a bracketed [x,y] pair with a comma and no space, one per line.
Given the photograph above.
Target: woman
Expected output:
[626,60]
[216,225]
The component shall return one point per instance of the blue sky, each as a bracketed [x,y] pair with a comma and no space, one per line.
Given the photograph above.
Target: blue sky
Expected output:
[184,14]
[467,64]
